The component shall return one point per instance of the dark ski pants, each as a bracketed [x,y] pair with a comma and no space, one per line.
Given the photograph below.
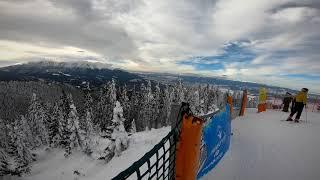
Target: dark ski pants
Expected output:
[298,108]
[285,107]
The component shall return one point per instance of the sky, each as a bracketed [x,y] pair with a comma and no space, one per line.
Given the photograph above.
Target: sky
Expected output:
[275,42]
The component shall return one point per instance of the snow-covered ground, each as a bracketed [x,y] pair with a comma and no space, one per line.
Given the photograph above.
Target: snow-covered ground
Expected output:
[265,147]
[53,165]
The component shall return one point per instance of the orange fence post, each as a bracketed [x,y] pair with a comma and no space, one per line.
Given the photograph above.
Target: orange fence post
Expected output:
[188,148]
[229,101]
[244,102]
[262,106]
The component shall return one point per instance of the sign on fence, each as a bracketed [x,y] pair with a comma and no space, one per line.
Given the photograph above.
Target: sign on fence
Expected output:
[215,141]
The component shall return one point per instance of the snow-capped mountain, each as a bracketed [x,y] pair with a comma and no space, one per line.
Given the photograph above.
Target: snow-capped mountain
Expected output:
[75,73]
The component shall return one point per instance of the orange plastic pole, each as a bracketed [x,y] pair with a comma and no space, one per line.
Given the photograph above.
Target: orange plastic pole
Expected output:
[229,100]
[188,148]
[244,102]
[260,107]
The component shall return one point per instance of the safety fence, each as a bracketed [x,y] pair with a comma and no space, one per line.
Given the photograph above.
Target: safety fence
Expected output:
[199,143]
[159,162]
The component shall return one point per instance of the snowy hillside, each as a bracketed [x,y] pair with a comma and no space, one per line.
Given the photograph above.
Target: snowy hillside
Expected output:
[265,147]
[53,165]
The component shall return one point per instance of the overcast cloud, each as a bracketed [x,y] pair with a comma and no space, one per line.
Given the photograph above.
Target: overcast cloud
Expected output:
[276,41]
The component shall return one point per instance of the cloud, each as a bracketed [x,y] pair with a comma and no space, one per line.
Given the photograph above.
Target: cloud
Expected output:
[249,40]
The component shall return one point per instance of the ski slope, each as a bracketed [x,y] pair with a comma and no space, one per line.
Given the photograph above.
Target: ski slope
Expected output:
[264,147]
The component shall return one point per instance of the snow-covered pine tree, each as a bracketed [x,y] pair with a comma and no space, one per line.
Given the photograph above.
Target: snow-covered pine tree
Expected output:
[26,130]
[180,94]
[204,99]
[4,157]
[167,104]
[196,108]
[148,106]
[88,133]
[141,121]
[101,116]
[76,135]
[64,132]
[88,115]
[133,128]
[87,126]
[222,98]
[53,125]
[112,96]
[4,164]
[135,107]
[124,100]
[105,105]
[157,107]
[37,118]
[20,151]
[211,100]
[119,134]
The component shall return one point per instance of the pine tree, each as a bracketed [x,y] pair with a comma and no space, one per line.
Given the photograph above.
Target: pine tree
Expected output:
[167,104]
[195,104]
[101,117]
[4,157]
[133,128]
[37,118]
[211,100]
[53,125]
[26,131]
[4,164]
[119,133]
[20,151]
[88,115]
[87,127]
[149,105]
[63,115]
[143,107]
[157,107]
[146,113]
[76,136]
[135,108]
[108,98]
[88,133]
[180,92]
[124,100]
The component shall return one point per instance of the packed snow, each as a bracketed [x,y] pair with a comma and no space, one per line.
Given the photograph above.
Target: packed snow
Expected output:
[52,165]
[264,146]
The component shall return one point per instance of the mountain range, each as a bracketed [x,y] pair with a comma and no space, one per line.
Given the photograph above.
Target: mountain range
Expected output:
[81,73]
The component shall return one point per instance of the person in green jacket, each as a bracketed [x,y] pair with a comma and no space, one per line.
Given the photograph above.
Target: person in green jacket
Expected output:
[300,102]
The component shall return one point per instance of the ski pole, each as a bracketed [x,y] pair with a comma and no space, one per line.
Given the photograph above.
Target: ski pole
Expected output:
[306,115]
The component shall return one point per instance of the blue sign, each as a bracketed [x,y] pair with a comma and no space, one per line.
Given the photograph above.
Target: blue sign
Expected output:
[215,141]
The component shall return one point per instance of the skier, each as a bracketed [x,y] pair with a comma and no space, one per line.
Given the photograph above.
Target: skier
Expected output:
[300,102]
[286,102]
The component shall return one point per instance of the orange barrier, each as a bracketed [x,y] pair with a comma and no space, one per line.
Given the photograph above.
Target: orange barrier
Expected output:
[244,102]
[188,148]
[229,101]
[262,107]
